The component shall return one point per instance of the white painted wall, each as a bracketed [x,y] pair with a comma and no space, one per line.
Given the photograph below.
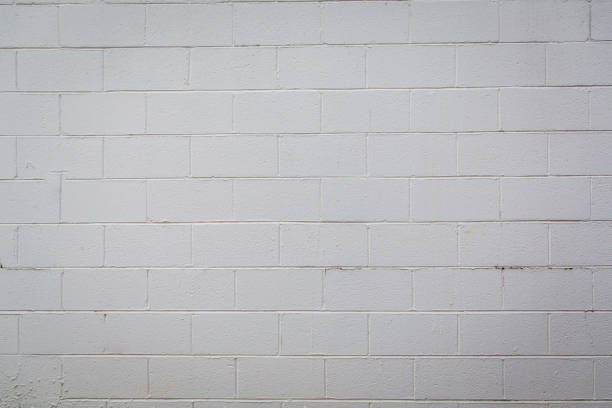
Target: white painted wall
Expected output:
[305,204]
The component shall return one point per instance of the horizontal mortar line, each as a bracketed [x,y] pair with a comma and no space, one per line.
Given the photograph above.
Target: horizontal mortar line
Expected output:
[277,45]
[370,223]
[309,178]
[216,1]
[330,399]
[297,90]
[320,356]
[318,267]
[316,133]
[304,311]
[306,134]
[294,222]
[285,267]
[208,2]
[334,400]
[294,90]
[287,399]
[407,268]
[316,178]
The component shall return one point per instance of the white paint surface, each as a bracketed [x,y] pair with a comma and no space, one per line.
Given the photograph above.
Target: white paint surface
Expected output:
[305,204]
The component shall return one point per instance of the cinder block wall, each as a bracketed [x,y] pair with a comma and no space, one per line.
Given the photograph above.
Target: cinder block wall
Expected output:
[279,204]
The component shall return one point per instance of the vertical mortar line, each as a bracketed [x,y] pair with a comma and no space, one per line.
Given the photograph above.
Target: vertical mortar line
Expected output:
[16,157]
[233,24]
[414,363]
[368,317]
[191,243]
[190,160]
[456,154]
[324,377]
[545,64]
[503,289]
[369,243]
[103,71]
[498,21]
[16,70]
[413,305]
[236,371]
[589,110]
[590,24]
[103,147]
[457,238]
[548,339]
[365,67]
[278,228]
[320,179]
[146,22]
[320,111]
[410,194]
[234,272]
[188,78]
[147,215]
[191,333]
[456,49]
[323,287]
[458,341]
[367,169]
[59,114]
[499,123]
[320,22]
[146,112]
[57,25]
[278,143]
[18,233]
[62,289]
[594,373]
[103,245]
[548,154]
[592,289]
[61,377]
[233,203]
[549,244]
[499,199]
[61,182]
[277,68]
[280,338]
[410,111]
[503,377]
[19,333]
[148,377]
[147,296]
[590,197]
[233,111]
